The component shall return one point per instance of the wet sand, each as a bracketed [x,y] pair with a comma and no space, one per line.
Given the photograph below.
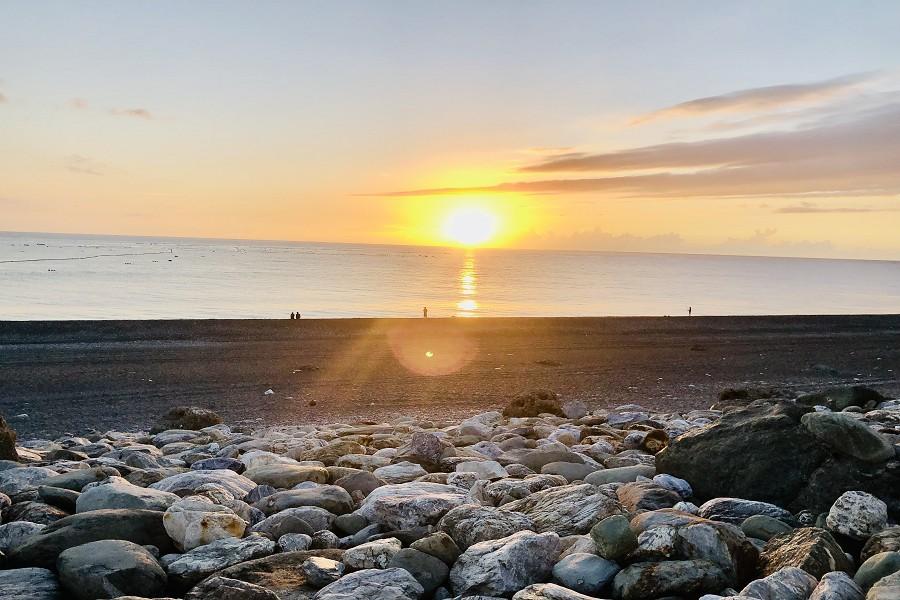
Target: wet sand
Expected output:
[72,376]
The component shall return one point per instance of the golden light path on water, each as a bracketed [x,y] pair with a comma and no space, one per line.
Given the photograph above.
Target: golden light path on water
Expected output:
[467,306]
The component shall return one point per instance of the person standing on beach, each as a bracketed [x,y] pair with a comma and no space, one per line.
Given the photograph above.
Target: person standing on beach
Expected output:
[292,316]
[689,310]
[298,314]
[425,312]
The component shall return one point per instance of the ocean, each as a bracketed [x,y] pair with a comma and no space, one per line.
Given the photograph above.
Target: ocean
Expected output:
[54,277]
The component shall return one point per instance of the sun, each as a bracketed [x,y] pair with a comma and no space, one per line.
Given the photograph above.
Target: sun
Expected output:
[470,226]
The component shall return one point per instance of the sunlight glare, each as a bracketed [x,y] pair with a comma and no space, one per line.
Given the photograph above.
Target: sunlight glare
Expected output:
[470,226]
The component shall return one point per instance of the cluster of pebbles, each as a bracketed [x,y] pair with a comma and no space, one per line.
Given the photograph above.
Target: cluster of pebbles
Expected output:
[768,499]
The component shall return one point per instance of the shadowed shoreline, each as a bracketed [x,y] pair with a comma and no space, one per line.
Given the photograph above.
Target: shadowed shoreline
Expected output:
[71,376]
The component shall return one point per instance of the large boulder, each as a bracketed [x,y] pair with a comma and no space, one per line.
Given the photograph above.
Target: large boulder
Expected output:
[23,480]
[187,417]
[29,584]
[428,570]
[195,521]
[809,548]
[7,441]
[108,569]
[565,510]
[410,505]
[847,435]
[470,523]
[788,583]
[505,566]
[690,578]
[332,498]
[116,492]
[534,403]
[142,527]
[839,398]
[373,584]
[191,567]
[188,482]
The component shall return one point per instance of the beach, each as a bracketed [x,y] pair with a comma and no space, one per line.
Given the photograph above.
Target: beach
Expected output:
[70,376]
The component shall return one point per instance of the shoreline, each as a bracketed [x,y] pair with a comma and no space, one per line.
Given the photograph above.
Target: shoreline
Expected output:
[112,374]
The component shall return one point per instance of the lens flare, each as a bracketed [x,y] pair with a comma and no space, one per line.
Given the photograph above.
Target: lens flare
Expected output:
[470,226]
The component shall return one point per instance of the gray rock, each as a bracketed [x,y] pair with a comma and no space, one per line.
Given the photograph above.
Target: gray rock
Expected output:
[320,572]
[483,469]
[13,535]
[788,583]
[16,482]
[194,565]
[402,472]
[224,588]
[237,485]
[620,474]
[857,515]
[887,540]
[324,540]
[187,417]
[837,585]
[33,512]
[469,524]
[217,463]
[847,435]
[293,542]
[887,588]
[350,523]
[736,510]
[639,496]
[116,492]
[439,545]
[565,510]
[502,567]
[876,567]
[410,505]
[520,488]
[764,527]
[283,475]
[329,497]
[363,482]
[287,521]
[614,537]
[571,471]
[76,480]
[29,584]
[372,555]
[809,548]
[373,584]
[676,484]
[59,497]
[668,578]
[549,591]
[431,572]
[108,569]
[585,573]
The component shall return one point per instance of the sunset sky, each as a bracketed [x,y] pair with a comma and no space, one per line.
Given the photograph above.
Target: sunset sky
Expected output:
[722,127]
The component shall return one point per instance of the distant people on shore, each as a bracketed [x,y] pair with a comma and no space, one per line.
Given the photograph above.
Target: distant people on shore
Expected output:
[292,316]
[295,316]
[425,312]
[298,314]
[690,308]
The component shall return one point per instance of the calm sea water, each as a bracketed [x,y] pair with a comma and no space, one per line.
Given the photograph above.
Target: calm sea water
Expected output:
[45,276]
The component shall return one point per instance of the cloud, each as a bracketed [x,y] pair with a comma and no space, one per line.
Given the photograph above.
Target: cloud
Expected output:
[598,239]
[761,98]
[139,113]
[809,208]
[856,154]
[83,165]
[78,103]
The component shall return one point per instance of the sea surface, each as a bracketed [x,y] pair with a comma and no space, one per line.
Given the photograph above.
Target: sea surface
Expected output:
[51,276]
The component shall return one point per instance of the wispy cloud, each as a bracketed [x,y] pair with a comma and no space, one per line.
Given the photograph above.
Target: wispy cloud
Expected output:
[78,103]
[761,98]
[810,208]
[83,165]
[138,113]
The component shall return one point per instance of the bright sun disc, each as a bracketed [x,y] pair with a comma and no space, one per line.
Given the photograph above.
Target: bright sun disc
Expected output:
[470,226]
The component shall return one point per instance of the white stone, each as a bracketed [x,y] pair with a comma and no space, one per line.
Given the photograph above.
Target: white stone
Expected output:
[566,510]
[196,564]
[13,535]
[195,521]
[373,584]
[402,472]
[372,555]
[409,505]
[237,485]
[23,479]
[484,469]
[116,492]
[857,514]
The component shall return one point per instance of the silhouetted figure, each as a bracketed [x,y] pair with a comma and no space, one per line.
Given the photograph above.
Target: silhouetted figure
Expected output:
[425,312]
[298,314]
[690,308]
[292,316]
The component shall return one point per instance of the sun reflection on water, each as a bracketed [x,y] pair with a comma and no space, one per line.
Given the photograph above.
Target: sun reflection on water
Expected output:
[467,306]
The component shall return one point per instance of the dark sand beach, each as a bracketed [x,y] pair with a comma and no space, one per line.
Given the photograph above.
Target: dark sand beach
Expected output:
[70,375]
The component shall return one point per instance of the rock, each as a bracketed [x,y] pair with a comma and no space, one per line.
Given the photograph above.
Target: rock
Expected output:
[537,459]
[668,578]
[763,527]
[143,527]
[108,569]
[571,471]
[519,488]
[410,505]
[194,565]
[585,573]
[574,409]
[788,583]
[193,522]
[116,492]
[470,523]
[320,572]
[565,510]
[29,584]
[372,555]
[639,495]
[14,482]
[886,589]
[293,542]
[876,567]
[887,540]
[429,571]
[440,545]
[76,480]
[237,485]
[676,484]
[332,498]
[33,512]
[483,469]
[857,515]
[280,573]
[350,523]
[59,497]
[218,463]
[403,472]
[808,548]
[186,417]
[614,537]
[548,591]
[373,584]
[293,520]
[839,398]
[502,567]
[13,535]
[736,510]
[848,435]
[7,441]
[286,476]
[426,449]
[223,588]
[837,585]
[330,453]
[363,482]
[324,539]
[533,404]
[619,474]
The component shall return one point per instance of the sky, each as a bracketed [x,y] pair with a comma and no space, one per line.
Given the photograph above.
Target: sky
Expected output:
[763,127]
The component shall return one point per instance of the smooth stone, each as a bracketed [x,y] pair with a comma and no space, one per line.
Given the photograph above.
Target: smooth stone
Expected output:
[201,561]
[837,585]
[290,520]
[187,418]
[410,505]
[440,545]
[614,537]
[470,523]
[224,588]
[362,482]
[192,522]
[29,584]
[887,540]
[811,549]
[857,515]
[350,523]
[520,488]
[320,572]
[549,591]
[620,474]
[218,463]
[565,510]
[668,578]
[764,527]
[294,542]
[59,497]
[402,472]
[237,485]
[571,471]
[22,480]
[848,435]
[505,566]
[373,584]
[787,583]
[286,476]
[372,555]
[640,496]
[585,573]
[737,510]
[116,492]
[888,588]
[484,469]
[676,484]
[76,480]
[876,567]
[429,571]
[13,535]
[108,569]
[332,498]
